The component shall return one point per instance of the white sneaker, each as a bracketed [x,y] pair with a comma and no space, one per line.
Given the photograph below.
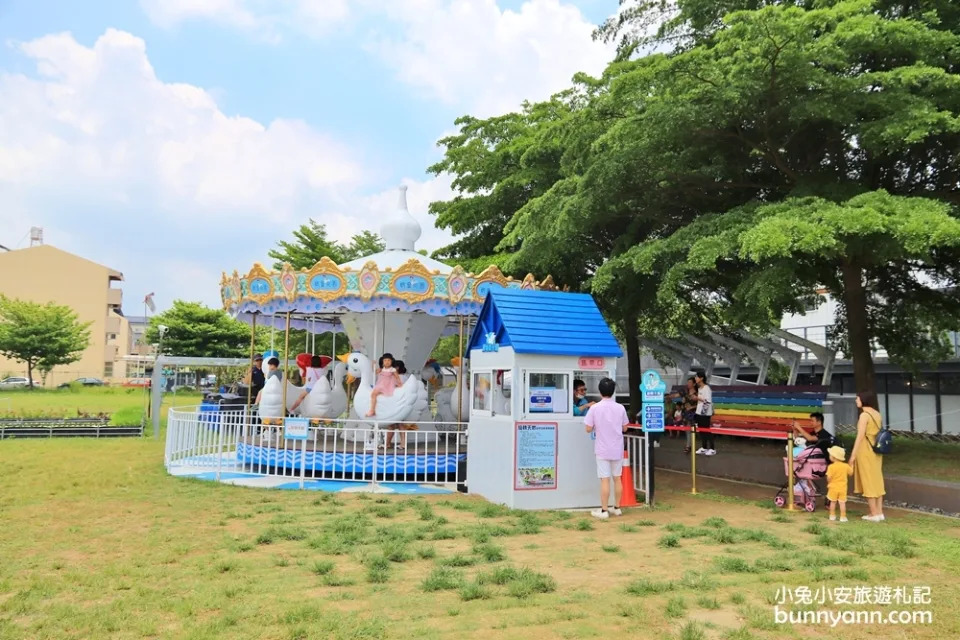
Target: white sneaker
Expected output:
[710,452]
[615,511]
[598,513]
[832,518]
[871,518]
[843,520]
[656,445]
[880,518]
[701,451]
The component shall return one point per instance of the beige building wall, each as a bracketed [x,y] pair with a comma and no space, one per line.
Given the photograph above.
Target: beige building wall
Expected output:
[46,274]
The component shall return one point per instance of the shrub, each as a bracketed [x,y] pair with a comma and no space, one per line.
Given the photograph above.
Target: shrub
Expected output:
[443,579]
[645,587]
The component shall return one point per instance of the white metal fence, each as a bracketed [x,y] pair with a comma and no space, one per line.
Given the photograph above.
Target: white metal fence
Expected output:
[639,461]
[348,450]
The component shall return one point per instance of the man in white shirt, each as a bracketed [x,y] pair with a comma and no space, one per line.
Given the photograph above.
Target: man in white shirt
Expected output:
[704,414]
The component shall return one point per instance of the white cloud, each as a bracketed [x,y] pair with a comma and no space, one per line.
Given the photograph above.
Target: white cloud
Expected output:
[266,18]
[470,54]
[473,54]
[130,171]
[97,120]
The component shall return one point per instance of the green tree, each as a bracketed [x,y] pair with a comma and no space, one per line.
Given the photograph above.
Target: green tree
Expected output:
[362,244]
[194,330]
[310,243]
[892,262]
[771,104]
[41,336]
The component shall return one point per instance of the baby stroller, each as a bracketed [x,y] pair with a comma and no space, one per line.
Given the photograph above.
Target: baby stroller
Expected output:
[808,466]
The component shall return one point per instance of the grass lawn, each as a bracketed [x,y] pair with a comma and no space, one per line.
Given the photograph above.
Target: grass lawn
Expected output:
[125,406]
[98,542]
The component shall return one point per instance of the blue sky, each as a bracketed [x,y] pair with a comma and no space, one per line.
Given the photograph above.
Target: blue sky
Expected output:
[175,139]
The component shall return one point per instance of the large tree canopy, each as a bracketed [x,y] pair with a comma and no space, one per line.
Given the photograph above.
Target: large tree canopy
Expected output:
[197,331]
[665,184]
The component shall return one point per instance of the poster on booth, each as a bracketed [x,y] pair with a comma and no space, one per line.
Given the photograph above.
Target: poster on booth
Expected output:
[547,400]
[535,460]
[296,428]
[653,389]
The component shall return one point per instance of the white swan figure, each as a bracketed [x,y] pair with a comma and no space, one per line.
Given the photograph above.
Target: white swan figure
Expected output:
[271,399]
[432,374]
[390,409]
[450,399]
[293,392]
[326,401]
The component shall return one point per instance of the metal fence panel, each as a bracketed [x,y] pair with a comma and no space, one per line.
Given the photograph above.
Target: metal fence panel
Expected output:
[336,450]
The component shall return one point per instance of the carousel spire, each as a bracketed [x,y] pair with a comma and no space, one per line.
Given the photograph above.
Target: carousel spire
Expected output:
[400,230]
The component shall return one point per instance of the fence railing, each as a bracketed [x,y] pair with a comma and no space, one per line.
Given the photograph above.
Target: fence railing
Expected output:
[639,462]
[337,450]
[66,428]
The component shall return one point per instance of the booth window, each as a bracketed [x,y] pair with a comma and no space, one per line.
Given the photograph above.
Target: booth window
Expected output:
[482,391]
[502,390]
[548,393]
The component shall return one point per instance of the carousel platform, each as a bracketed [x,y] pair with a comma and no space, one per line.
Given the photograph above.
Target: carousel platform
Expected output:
[205,468]
[427,459]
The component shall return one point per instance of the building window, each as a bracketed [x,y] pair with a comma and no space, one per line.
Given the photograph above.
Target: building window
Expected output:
[108,370]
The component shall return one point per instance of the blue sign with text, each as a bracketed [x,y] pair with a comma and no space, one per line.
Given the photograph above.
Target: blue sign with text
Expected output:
[653,389]
[296,428]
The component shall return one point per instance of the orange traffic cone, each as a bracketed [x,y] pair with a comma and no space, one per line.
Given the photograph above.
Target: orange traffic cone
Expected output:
[629,497]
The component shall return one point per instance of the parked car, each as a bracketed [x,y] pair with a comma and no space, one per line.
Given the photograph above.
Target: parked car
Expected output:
[86,382]
[16,382]
[137,382]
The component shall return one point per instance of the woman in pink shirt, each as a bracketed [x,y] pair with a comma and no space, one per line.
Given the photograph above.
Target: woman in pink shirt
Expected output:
[609,420]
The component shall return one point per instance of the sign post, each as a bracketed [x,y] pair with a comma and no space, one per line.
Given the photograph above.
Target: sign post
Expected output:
[653,390]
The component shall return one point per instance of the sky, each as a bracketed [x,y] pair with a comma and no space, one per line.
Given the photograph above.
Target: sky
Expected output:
[173,140]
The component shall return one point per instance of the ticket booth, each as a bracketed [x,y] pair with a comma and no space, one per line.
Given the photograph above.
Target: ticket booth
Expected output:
[527,449]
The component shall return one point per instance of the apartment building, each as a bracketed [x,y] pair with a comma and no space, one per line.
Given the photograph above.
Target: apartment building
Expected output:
[43,273]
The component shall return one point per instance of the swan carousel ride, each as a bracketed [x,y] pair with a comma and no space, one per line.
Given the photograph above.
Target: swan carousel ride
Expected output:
[397,301]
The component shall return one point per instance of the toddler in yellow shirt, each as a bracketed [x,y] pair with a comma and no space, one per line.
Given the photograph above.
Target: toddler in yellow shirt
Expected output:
[837,473]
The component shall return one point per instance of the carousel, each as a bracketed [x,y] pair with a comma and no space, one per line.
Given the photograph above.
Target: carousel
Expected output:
[398,303]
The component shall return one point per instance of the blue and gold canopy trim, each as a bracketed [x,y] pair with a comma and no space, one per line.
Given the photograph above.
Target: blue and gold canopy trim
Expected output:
[326,287]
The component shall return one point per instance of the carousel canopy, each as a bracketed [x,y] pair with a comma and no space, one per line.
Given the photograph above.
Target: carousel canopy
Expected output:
[396,279]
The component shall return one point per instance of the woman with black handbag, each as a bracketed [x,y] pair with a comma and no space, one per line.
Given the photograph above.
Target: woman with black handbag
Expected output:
[867,464]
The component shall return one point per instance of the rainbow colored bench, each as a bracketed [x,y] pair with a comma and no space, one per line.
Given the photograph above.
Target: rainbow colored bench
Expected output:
[765,408]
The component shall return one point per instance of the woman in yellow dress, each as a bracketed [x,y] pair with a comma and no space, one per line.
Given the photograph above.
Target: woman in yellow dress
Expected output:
[867,465]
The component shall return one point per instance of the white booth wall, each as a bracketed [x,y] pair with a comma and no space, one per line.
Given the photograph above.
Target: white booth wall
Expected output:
[491,463]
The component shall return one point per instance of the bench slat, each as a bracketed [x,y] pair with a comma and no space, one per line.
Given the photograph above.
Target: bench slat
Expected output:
[740,399]
[761,414]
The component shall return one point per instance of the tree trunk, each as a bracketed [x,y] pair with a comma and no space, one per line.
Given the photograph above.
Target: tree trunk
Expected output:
[634,374]
[29,374]
[858,331]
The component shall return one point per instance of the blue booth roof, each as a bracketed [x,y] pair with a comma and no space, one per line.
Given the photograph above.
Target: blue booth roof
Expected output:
[545,323]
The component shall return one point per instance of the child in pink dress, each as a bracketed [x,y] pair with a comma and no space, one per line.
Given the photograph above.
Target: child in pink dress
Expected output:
[387,380]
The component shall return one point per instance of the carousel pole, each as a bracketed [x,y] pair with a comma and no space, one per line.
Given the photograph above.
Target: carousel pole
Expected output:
[460,380]
[253,341]
[286,363]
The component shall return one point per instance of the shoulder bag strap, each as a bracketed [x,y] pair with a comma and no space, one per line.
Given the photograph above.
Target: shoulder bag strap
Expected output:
[879,426]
